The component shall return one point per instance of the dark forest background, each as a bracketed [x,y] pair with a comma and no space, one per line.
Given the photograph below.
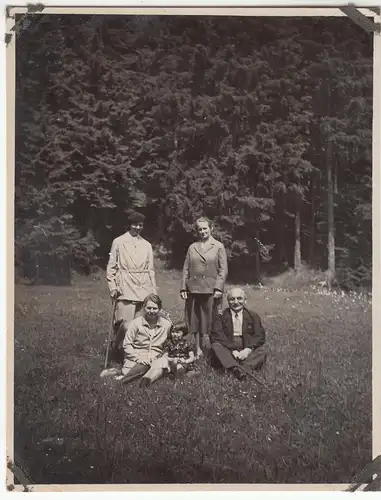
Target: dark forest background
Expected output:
[262,124]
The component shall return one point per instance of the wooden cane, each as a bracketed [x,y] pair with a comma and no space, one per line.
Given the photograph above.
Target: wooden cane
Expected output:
[111,331]
[254,377]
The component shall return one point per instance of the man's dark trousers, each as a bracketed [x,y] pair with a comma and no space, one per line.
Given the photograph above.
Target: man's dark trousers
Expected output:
[224,357]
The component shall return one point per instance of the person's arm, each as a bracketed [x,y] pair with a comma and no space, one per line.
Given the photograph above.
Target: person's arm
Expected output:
[151,267]
[166,350]
[112,268]
[217,333]
[222,269]
[129,351]
[190,359]
[185,275]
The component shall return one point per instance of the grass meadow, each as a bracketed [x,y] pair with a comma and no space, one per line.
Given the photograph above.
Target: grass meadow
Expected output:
[312,425]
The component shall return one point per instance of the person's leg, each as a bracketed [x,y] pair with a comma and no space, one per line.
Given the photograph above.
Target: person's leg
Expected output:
[193,320]
[118,340]
[137,371]
[256,359]
[190,316]
[152,376]
[155,372]
[227,360]
[193,372]
[124,311]
[223,356]
[127,366]
[139,310]
[207,304]
[217,305]
[197,343]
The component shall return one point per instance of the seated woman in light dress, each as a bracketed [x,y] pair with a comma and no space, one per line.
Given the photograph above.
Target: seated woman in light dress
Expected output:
[144,340]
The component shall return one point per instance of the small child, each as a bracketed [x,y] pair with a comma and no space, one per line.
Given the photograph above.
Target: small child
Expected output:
[178,357]
[179,352]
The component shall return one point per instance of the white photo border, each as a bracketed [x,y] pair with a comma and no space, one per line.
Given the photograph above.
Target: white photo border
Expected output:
[216,8]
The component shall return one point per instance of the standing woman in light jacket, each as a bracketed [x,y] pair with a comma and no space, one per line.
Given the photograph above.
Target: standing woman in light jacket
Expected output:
[204,274]
[130,272]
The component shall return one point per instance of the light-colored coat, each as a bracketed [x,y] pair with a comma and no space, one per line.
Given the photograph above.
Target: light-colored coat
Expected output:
[130,268]
[205,268]
[142,343]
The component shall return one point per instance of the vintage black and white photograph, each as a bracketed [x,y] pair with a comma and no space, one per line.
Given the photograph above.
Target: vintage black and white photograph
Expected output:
[193,249]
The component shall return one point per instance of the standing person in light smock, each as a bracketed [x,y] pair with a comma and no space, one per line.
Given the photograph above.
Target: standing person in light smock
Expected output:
[130,272]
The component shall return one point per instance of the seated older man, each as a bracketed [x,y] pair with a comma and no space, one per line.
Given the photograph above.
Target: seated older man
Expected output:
[237,336]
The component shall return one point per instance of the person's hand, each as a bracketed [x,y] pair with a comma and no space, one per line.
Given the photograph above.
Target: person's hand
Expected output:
[144,362]
[217,294]
[235,354]
[244,353]
[184,295]
[114,294]
[240,355]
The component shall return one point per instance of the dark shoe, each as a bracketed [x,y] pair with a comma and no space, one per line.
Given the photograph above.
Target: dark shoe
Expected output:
[238,373]
[180,371]
[145,382]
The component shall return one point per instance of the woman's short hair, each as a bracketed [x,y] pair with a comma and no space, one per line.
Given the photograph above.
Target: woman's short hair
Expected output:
[152,297]
[135,217]
[204,219]
[180,326]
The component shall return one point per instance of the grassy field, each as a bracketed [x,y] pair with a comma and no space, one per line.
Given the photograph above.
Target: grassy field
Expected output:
[313,425]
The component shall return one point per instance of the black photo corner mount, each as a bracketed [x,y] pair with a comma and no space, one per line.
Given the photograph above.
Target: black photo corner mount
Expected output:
[22,23]
[349,10]
[21,477]
[366,477]
[365,22]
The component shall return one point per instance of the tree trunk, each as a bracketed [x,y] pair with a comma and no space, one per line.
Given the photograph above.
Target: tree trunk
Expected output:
[257,260]
[282,237]
[297,251]
[335,168]
[37,267]
[331,221]
[312,239]
[160,225]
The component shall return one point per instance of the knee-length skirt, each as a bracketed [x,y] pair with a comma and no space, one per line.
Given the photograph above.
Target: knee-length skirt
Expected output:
[198,312]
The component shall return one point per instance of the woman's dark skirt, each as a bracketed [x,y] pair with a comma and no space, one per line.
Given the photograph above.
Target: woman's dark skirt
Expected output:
[198,312]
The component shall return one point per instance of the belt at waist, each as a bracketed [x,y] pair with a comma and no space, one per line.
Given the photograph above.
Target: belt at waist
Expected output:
[134,271]
[200,276]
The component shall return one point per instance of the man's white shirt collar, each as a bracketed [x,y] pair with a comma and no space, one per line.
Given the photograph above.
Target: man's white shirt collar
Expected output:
[240,314]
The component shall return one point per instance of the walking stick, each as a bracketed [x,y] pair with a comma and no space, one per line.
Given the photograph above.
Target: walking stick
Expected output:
[254,377]
[111,331]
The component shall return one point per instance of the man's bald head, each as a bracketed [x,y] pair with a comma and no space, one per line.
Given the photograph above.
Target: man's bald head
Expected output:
[236,291]
[236,299]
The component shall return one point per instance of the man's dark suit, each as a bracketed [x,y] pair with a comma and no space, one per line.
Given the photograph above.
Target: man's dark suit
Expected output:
[223,341]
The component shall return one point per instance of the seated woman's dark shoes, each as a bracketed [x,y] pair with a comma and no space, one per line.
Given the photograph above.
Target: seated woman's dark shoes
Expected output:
[144,382]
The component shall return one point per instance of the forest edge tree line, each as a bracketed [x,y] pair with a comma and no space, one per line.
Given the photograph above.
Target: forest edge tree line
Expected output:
[264,126]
